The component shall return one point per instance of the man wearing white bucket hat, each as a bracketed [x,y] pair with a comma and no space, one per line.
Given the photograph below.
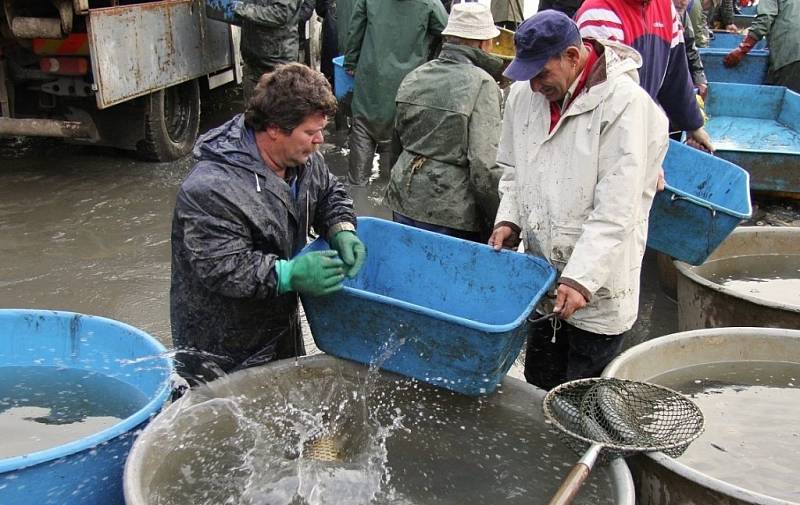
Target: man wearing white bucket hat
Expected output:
[448,127]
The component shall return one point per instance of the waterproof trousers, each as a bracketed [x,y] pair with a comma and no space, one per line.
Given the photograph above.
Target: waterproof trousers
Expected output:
[787,75]
[568,353]
[363,145]
[250,77]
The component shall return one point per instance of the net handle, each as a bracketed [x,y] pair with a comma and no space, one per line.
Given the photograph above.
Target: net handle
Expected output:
[577,476]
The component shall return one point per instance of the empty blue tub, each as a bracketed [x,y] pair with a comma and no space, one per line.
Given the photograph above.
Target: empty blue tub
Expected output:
[454,310]
[757,128]
[342,81]
[751,70]
[87,470]
[222,10]
[730,41]
[705,199]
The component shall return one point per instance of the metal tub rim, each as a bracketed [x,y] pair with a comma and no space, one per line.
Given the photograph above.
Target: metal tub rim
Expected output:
[689,271]
[125,425]
[651,348]
[621,479]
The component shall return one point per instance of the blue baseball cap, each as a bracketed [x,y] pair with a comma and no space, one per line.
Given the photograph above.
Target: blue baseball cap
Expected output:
[539,38]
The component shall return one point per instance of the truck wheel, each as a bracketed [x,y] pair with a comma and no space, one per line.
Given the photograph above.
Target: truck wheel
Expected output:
[171,122]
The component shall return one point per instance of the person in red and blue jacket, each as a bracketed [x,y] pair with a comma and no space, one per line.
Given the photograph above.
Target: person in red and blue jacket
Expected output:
[653,28]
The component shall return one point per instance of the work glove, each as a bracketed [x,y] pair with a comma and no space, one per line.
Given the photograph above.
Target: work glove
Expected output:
[734,57]
[351,250]
[316,273]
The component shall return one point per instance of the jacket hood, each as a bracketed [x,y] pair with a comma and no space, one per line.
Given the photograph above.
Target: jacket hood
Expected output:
[232,144]
[493,65]
[619,59]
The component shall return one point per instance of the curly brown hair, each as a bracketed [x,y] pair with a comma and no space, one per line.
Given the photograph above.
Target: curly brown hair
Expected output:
[285,97]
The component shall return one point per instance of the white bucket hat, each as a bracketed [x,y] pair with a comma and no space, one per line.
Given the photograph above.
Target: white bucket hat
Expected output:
[471,20]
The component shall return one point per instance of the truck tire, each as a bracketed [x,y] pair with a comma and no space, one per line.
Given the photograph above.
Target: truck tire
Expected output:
[171,122]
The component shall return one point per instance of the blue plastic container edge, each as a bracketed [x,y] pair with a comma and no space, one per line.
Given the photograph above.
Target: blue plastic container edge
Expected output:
[711,205]
[127,424]
[723,51]
[488,328]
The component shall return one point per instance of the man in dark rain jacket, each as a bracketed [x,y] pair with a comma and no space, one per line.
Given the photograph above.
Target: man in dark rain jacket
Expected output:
[269,36]
[240,218]
[448,126]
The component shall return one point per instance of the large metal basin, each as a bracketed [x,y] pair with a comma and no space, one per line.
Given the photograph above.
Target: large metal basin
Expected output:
[453,449]
[661,480]
[703,303]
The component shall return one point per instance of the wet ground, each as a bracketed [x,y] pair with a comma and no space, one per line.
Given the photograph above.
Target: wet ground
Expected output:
[86,229]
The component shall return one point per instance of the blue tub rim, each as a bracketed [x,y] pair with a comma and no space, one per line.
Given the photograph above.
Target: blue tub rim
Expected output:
[469,323]
[125,425]
[711,205]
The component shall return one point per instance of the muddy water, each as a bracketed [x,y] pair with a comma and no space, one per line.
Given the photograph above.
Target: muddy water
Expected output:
[752,412]
[389,441]
[771,277]
[43,407]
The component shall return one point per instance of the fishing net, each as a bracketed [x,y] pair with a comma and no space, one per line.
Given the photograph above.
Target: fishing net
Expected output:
[623,416]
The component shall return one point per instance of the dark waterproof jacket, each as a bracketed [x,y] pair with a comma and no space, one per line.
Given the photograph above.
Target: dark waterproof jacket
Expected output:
[233,219]
[448,125]
[269,32]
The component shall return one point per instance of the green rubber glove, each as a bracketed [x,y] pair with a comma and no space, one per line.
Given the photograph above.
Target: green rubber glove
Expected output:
[351,250]
[316,273]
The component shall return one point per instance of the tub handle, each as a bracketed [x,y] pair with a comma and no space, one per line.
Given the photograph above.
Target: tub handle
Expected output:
[678,197]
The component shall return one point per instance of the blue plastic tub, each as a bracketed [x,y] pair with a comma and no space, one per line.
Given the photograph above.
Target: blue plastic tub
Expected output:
[705,199]
[454,310]
[221,10]
[751,70]
[342,81]
[730,41]
[757,128]
[88,470]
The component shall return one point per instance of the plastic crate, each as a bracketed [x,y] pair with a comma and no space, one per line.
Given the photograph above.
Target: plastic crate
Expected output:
[443,310]
[751,70]
[704,200]
[342,81]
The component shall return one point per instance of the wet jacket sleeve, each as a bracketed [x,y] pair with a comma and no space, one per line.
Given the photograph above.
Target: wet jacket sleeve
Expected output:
[507,187]
[220,247]
[274,13]
[676,95]
[625,174]
[484,136]
[355,35]
[693,55]
[437,19]
[766,12]
[334,205]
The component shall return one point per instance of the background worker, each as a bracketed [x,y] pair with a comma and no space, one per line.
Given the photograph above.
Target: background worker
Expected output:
[696,69]
[653,28]
[269,37]
[581,148]
[779,21]
[240,218]
[387,39]
[507,13]
[445,179]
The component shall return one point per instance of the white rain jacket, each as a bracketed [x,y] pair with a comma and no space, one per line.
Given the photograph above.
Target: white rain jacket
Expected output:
[581,194]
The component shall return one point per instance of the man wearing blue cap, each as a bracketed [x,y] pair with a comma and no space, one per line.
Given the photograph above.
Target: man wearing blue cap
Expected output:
[581,148]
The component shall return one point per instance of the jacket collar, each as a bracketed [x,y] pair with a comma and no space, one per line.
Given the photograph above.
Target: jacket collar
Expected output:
[466,54]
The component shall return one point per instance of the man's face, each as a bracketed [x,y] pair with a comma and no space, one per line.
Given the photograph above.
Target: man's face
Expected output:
[680,5]
[554,80]
[296,146]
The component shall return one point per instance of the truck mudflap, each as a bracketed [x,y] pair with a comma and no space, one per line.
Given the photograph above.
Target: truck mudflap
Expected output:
[138,49]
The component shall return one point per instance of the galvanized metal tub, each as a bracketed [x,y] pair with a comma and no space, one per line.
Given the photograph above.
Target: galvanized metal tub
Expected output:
[703,303]
[158,460]
[661,480]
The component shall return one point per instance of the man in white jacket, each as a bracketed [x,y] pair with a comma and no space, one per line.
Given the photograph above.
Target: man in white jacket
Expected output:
[581,148]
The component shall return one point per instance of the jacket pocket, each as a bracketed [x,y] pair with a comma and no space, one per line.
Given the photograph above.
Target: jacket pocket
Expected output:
[562,242]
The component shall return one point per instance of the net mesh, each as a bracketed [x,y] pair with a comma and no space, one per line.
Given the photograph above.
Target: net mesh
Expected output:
[625,416]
